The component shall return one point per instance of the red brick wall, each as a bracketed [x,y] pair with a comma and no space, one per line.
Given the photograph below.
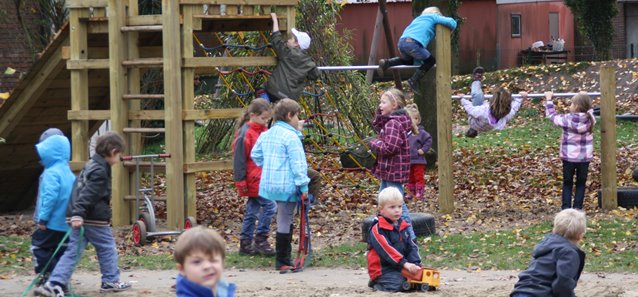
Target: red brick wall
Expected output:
[14,47]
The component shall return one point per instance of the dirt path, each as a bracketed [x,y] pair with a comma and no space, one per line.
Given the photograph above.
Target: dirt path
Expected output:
[336,283]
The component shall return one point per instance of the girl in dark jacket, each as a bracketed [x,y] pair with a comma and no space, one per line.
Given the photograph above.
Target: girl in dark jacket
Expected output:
[420,142]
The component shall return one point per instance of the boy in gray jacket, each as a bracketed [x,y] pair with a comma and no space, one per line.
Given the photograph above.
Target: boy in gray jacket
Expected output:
[558,262]
[294,66]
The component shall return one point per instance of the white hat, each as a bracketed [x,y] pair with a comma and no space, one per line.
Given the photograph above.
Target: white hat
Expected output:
[302,38]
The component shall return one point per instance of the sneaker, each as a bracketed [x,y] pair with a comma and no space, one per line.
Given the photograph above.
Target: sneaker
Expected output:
[50,290]
[383,66]
[114,287]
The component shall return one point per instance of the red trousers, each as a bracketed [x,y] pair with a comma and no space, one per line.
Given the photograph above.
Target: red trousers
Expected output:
[416,181]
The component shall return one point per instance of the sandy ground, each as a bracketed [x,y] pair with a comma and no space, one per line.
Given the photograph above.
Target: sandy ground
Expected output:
[315,282]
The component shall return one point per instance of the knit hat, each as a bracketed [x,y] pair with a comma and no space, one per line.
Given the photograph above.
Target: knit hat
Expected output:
[50,132]
[302,38]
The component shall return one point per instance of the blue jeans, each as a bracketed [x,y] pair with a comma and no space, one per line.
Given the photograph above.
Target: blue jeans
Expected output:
[410,51]
[251,213]
[580,169]
[101,237]
[405,214]
[477,93]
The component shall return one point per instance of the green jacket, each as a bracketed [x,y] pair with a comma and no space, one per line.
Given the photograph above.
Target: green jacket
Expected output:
[293,67]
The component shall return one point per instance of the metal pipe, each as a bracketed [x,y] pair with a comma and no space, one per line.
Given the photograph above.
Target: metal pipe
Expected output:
[363,67]
[535,95]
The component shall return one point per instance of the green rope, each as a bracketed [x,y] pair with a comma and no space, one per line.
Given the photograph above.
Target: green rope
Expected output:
[57,249]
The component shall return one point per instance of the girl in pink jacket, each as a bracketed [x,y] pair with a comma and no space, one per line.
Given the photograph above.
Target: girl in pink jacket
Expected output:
[576,146]
[494,115]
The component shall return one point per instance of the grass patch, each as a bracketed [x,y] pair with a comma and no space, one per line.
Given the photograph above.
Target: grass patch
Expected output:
[610,246]
[540,134]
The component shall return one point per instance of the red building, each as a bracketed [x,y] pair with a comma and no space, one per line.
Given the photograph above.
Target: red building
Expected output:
[493,34]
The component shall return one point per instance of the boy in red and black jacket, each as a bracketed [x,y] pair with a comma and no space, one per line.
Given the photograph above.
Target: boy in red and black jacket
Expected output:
[390,248]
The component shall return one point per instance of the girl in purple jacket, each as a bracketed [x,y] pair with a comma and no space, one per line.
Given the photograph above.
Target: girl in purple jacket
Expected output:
[391,145]
[576,146]
[420,142]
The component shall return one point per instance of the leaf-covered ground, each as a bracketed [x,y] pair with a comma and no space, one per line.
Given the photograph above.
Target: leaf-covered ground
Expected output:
[503,180]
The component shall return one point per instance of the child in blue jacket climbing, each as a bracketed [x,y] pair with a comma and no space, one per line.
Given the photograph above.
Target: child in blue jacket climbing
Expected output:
[414,42]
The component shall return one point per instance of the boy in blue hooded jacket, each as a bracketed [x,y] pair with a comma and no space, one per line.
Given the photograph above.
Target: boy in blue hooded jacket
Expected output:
[54,191]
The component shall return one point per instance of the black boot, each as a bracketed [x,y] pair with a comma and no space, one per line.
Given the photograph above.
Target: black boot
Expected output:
[283,249]
[246,247]
[419,73]
[262,246]
[384,64]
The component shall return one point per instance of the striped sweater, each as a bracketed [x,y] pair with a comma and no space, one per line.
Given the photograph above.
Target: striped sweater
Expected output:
[577,143]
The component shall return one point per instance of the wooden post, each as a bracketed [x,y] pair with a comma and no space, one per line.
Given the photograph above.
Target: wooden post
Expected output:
[171,37]
[608,137]
[444,117]
[119,112]
[374,46]
[79,84]
[134,87]
[391,45]
[189,99]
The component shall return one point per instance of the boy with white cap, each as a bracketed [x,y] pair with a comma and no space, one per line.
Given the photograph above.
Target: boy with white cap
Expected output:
[294,66]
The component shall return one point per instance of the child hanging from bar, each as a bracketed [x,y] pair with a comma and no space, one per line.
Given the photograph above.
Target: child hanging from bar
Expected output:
[492,116]
[414,42]
[294,65]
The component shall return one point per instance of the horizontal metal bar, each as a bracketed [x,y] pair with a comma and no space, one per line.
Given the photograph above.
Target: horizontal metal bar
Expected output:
[363,67]
[535,95]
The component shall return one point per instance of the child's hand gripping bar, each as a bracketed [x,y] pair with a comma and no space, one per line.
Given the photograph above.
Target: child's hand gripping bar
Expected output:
[132,157]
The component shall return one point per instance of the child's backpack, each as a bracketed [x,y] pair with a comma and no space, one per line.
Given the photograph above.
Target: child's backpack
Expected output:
[359,152]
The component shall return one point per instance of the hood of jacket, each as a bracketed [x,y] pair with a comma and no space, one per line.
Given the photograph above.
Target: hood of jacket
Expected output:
[54,149]
[399,115]
[550,243]
[578,122]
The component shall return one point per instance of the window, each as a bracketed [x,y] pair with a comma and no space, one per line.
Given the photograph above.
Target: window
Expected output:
[516,25]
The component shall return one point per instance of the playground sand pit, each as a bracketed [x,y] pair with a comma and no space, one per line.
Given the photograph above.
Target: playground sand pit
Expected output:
[335,282]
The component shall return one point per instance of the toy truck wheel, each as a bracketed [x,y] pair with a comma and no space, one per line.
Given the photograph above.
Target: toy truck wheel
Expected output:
[146,218]
[406,286]
[190,222]
[139,233]
[424,287]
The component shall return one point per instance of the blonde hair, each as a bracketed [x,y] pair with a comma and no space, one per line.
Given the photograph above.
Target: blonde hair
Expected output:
[415,116]
[285,107]
[389,194]
[501,103]
[199,239]
[571,224]
[431,10]
[582,101]
[395,95]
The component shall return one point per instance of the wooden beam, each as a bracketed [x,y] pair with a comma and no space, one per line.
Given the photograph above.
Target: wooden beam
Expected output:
[242,2]
[119,112]
[208,166]
[142,28]
[144,63]
[86,3]
[98,26]
[210,114]
[83,64]
[374,46]
[608,137]
[79,84]
[102,115]
[188,76]
[171,37]
[444,117]
[141,20]
[229,62]
[103,52]
[390,42]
